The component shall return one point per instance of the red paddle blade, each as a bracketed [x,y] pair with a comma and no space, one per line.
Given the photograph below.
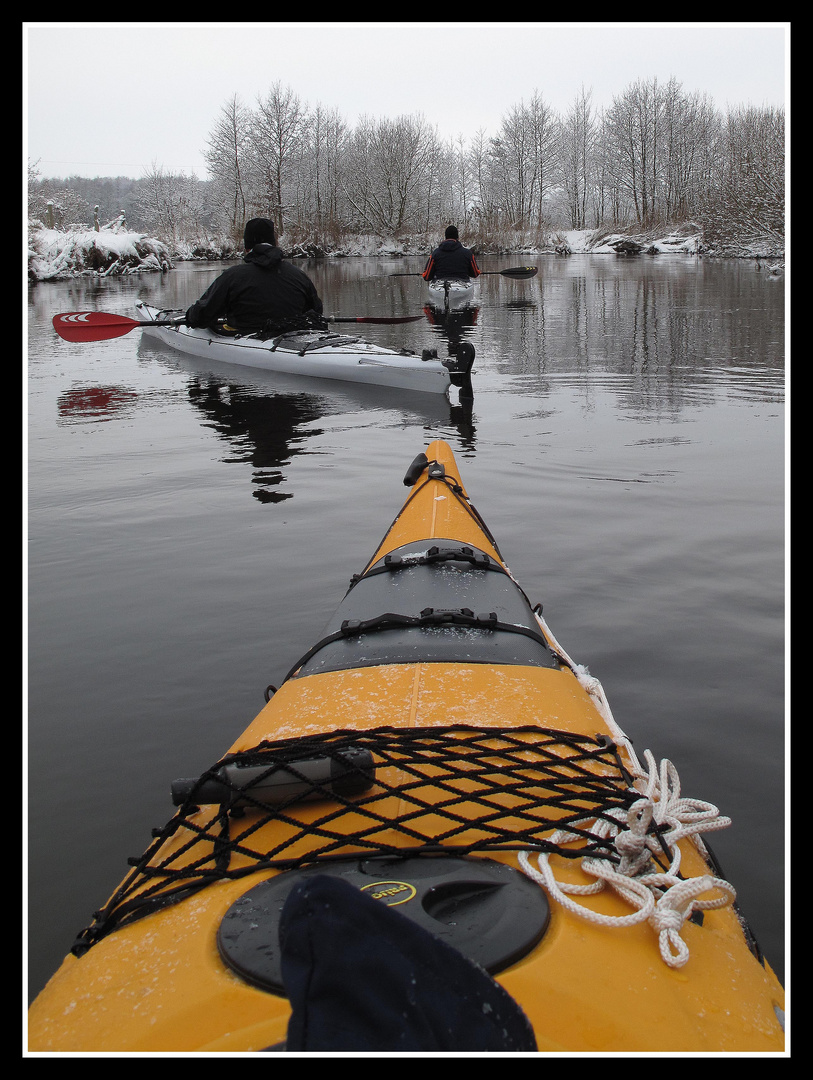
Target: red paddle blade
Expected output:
[92,325]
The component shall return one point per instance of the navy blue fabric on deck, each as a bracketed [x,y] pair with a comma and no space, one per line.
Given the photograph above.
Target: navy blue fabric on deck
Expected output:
[362,977]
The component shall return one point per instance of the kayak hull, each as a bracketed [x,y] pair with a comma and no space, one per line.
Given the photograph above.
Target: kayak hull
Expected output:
[169,980]
[315,355]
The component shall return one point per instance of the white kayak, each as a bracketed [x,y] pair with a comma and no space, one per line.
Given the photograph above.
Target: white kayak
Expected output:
[450,294]
[317,354]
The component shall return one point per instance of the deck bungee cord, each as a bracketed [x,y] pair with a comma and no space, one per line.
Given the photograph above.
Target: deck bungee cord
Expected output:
[501,791]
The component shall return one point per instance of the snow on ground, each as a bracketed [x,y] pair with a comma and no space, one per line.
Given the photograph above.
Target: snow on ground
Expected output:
[587,241]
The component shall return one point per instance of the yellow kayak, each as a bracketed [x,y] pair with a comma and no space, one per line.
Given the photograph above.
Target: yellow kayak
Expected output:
[434,837]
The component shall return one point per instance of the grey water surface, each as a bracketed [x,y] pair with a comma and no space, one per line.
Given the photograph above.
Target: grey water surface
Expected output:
[191,527]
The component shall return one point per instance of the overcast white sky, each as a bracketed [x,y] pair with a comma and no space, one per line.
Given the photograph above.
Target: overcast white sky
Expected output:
[114,99]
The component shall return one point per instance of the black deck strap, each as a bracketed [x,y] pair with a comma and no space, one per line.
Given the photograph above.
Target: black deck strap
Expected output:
[134,909]
[293,340]
[435,470]
[332,342]
[434,554]
[438,554]
[428,618]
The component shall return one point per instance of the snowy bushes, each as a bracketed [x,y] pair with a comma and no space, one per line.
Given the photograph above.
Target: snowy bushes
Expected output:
[53,254]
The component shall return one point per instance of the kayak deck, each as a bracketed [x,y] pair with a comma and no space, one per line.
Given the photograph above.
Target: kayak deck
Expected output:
[477,752]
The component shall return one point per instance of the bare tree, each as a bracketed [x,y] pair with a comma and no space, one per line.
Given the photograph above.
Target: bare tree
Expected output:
[690,133]
[481,168]
[513,165]
[226,154]
[391,163]
[322,169]
[746,200]
[171,204]
[462,180]
[545,127]
[577,150]
[524,159]
[630,131]
[278,142]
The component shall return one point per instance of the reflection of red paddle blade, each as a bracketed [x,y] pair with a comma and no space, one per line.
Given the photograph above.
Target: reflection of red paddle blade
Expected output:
[94,401]
[92,325]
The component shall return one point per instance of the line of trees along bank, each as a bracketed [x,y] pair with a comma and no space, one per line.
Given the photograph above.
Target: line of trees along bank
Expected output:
[655,157]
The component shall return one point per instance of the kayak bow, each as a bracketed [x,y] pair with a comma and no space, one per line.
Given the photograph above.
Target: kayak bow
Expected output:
[438,753]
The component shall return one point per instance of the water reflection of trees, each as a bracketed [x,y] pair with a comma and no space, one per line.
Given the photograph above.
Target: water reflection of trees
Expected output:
[662,321]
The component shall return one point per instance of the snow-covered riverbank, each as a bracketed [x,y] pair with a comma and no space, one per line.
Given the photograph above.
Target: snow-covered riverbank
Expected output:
[587,241]
[55,255]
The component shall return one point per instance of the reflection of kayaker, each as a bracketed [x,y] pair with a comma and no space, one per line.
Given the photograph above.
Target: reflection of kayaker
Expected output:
[438,754]
[266,431]
[451,323]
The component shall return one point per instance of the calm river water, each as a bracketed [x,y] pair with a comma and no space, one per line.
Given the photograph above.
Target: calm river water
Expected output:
[191,528]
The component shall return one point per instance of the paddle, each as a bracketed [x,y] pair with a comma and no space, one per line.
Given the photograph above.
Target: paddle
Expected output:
[515,271]
[511,271]
[100,326]
[375,318]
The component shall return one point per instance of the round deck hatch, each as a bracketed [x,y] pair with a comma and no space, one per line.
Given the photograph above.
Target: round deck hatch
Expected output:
[491,913]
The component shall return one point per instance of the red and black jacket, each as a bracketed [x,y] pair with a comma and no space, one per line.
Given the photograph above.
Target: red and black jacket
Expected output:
[451,260]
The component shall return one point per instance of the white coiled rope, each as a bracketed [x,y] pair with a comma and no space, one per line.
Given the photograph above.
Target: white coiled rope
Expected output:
[664,899]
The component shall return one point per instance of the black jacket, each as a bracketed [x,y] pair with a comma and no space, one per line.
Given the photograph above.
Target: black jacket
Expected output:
[262,287]
[451,260]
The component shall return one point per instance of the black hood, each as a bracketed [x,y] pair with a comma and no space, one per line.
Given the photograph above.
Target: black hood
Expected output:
[264,255]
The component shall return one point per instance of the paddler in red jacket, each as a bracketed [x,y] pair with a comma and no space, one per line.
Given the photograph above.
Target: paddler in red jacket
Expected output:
[451,261]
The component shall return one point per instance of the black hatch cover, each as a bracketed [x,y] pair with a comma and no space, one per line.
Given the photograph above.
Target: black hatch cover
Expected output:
[488,911]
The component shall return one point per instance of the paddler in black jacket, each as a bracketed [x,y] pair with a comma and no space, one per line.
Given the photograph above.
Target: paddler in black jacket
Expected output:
[263,292]
[451,260]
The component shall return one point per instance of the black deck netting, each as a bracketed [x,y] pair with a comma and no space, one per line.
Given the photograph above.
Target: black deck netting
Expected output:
[384,792]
